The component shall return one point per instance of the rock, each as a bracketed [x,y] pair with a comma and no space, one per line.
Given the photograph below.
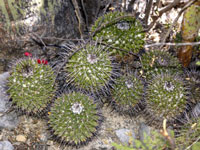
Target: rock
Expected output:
[7,120]
[144,129]
[125,135]
[21,138]
[4,99]
[6,145]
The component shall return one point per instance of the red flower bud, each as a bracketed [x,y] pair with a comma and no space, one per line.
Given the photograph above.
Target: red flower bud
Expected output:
[27,54]
[39,61]
[46,62]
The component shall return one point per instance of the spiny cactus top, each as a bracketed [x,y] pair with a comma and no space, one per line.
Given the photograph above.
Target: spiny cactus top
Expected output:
[90,69]
[74,118]
[31,85]
[166,97]
[127,93]
[124,32]
[157,61]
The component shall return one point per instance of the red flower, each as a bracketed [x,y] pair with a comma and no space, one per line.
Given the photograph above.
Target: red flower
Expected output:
[39,61]
[27,54]
[45,62]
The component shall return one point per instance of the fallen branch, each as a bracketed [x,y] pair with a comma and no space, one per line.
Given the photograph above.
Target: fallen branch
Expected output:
[172,44]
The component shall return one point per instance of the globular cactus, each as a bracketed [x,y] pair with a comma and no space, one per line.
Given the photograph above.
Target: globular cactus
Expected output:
[119,31]
[74,118]
[166,98]
[127,94]
[31,85]
[91,69]
[157,61]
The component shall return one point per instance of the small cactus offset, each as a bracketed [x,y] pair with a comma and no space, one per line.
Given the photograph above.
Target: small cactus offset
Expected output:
[157,61]
[31,85]
[127,94]
[74,118]
[91,69]
[120,31]
[166,98]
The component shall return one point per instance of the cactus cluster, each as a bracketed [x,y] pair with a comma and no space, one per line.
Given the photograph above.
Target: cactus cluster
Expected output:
[74,118]
[120,31]
[92,71]
[31,85]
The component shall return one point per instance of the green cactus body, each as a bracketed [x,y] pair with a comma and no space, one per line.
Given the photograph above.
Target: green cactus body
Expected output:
[90,68]
[31,85]
[125,33]
[156,61]
[188,133]
[74,118]
[127,94]
[166,98]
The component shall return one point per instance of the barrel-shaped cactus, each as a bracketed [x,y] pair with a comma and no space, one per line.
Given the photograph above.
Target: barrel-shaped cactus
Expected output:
[74,118]
[166,98]
[31,85]
[91,69]
[127,94]
[157,61]
[119,30]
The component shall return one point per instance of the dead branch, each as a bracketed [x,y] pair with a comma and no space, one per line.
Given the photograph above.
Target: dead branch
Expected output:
[193,143]
[81,23]
[161,12]
[172,44]
[170,6]
[147,11]
[85,13]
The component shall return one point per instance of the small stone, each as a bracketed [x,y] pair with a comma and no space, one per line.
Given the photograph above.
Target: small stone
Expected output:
[9,121]
[21,138]
[144,129]
[6,145]
[4,98]
[125,135]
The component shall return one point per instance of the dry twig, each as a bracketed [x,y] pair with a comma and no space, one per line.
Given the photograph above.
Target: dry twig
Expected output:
[172,44]
[81,23]
[161,12]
